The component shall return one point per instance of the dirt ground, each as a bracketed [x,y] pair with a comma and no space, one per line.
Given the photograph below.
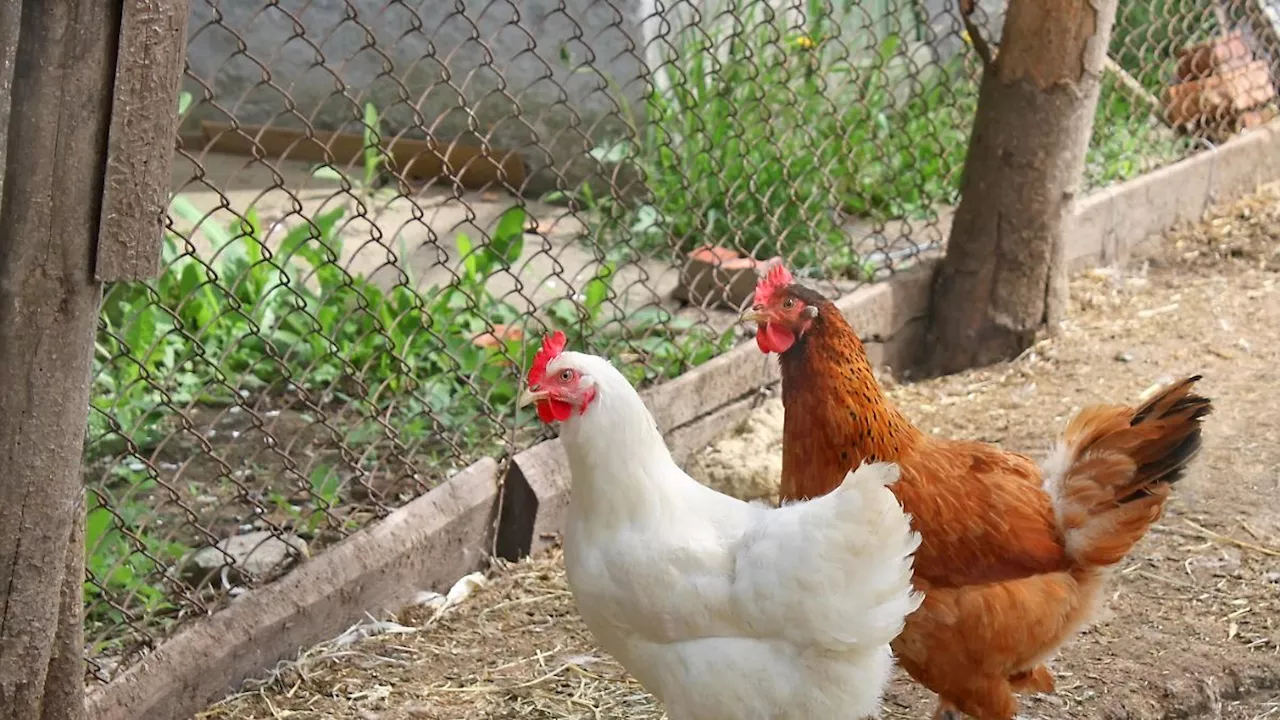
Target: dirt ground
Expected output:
[1191,628]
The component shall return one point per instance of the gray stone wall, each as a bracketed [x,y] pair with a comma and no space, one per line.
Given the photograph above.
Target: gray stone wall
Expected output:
[451,67]
[539,76]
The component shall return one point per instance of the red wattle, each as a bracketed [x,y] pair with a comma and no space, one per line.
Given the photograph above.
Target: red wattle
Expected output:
[772,338]
[550,410]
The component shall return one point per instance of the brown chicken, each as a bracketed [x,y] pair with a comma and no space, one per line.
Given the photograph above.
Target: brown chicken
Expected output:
[1014,555]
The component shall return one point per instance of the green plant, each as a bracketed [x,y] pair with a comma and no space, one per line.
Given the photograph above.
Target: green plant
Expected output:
[277,318]
[261,319]
[128,564]
[660,344]
[324,500]
[764,140]
[372,157]
[1128,140]
[902,161]
[266,318]
[764,137]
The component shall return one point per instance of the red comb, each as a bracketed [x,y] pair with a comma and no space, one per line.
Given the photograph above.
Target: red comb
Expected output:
[551,347]
[777,278]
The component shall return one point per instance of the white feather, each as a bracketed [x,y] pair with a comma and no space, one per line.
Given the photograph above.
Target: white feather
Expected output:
[722,609]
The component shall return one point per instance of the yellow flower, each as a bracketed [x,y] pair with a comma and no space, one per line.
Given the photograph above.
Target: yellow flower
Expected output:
[802,42]
[967,40]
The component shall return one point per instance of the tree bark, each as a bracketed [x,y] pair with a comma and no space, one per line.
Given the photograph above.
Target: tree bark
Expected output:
[64,688]
[1003,278]
[57,62]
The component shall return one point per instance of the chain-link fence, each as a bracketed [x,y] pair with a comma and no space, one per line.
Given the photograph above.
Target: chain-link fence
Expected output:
[376,201]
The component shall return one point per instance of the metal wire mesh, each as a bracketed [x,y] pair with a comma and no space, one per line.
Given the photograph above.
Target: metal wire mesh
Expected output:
[376,201]
[1183,75]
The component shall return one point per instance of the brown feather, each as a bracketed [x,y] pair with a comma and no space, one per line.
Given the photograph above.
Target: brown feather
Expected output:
[1009,570]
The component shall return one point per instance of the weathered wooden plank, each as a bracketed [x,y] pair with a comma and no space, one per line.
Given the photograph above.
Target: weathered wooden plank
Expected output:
[144,122]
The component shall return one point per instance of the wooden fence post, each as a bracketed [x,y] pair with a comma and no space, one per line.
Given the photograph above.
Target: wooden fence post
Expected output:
[66,136]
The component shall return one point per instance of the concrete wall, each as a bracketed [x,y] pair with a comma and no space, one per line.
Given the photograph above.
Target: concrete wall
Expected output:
[526,74]
[421,63]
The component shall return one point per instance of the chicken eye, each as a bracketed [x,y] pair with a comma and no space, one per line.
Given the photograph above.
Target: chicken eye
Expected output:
[566,376]
[788,303]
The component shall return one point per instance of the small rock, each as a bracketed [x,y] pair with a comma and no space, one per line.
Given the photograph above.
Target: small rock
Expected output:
[254,554]
[1273,577]
[372,628]
[1124,357]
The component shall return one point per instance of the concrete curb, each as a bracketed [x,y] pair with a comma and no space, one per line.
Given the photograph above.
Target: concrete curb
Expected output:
[1109,225]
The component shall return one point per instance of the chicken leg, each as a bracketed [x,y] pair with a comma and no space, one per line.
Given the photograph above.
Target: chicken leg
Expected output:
[1036,680]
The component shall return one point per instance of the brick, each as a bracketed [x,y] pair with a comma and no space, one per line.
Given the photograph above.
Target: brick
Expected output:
[1256,118]
[1225,53]
[1220,98]
[718,276]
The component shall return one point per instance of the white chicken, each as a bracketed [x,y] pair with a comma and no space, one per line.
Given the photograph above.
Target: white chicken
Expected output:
[724,610]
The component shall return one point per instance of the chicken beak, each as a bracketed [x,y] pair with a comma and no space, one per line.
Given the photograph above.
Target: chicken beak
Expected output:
[529,396]
[754,314]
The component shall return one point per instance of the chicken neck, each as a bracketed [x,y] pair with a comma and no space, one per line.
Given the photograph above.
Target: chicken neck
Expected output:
[621,467]
[837,417]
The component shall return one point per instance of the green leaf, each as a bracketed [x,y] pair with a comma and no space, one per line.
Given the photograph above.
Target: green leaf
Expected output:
[297,242]
[508,238]
[373,157]
[475,261]
[325,483]
[97,524]
[648,220]
[251,239]
[142,332]
[187,210]
[614,152]
[327,172]
[597,290]
[371,121]
[563,312]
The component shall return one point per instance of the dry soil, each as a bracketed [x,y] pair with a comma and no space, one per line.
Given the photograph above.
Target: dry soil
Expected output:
[1191,626]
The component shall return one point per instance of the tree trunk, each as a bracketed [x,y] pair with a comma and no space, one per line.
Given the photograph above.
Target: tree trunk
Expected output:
[57,62]
[1003,277]
[64,686]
